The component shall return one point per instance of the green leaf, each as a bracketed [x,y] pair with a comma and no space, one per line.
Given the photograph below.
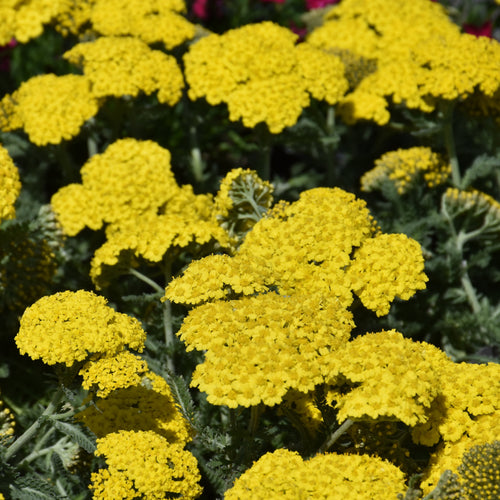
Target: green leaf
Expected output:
[84,438]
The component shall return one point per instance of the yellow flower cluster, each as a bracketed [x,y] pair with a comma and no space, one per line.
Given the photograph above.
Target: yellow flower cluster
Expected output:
[131,188]
[283,474]
[389,376]
[69,326]
[152,21]
[304,252]
[187,219]
[24,19]
[259,72]
[118,66]
[131,398]
[259,347]
[10,185]
[73,16]
[143,464]
[377,280]
[49,108]
[416,62]
[108,373]
[130,178]
[403,166]
[7,423]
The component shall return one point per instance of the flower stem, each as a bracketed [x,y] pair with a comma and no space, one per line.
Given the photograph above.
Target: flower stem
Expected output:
[449,142]
[149,281]
[30,432]
[167,315]
[331,440]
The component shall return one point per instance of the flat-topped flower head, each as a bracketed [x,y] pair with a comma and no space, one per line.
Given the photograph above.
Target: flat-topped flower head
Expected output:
[105,374]
[277,343]
[130,397]
[25,19]
[49,108]
[144,464]
[130,178]
[152,21]
[119,66]
[284,474]
[385,267]
[186,220]
[68,327]
[415,65]
[389,376]
[404,166]
[10,185]
[262,75]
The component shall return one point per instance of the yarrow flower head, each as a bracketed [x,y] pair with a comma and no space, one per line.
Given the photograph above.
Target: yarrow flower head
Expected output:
[25,19]
[282,289]
[417,64]
[403,166]
[152,21]
[49,108]
[144,464]
[283,474]
[68,327]
[262,75]
[389,376]
[10,185]
[118,66]
[131,177]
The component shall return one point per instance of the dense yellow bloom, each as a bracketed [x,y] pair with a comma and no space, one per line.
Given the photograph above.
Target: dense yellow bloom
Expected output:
[49,108]
[416,62]
[130,178]
[303,248]
[449,455]
[118,66]
[24,19]
[73,16]
[147,405]
[262,75]
[289,286]
[283,474]
[467,392]
[385,267]
[152,21]
[7,423]
[105,374]
[144,464]
[390,376]
[403,166]
[187,219]
[69,326]
[10,185]
[257,348]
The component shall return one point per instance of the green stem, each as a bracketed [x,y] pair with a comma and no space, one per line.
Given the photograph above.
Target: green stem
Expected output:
[167,315]
[149,281]
[449,142]
[31,431]
[255,412]
[330,146]
[470,291]
[331,440]
[197,164]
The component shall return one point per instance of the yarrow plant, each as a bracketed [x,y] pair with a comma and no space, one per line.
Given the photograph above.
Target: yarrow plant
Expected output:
[249,249]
